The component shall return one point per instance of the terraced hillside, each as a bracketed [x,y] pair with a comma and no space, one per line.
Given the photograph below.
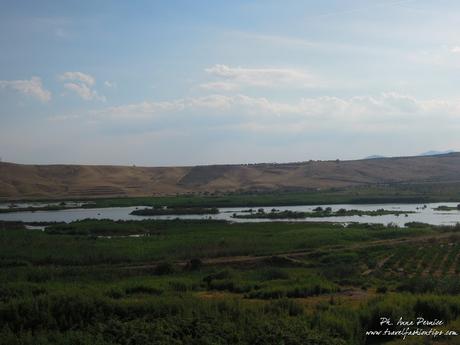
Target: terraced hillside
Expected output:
[44,181]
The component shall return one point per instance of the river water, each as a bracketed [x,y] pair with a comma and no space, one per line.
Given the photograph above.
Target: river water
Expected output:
[424,213]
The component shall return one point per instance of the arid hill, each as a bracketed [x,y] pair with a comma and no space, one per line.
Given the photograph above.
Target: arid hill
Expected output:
[58,181]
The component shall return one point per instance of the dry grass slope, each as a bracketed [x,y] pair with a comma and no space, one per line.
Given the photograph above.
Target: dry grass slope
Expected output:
[58,181]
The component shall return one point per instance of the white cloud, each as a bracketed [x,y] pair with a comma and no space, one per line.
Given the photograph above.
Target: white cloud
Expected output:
[84,91]
[32,87]
[138,110]
[78,76]
[215,105]
[455,49]
[265,130]
[232,78]
[220,86]
[81,84]
[377,113]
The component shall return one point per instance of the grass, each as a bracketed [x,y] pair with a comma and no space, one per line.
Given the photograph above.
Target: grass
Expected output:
[34,208]
[384,193]
[356,195]
[179,240]
[299,283]
[317,213]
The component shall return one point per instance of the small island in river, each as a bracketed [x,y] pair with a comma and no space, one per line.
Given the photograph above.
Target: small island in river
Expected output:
[447,208]
[318,212]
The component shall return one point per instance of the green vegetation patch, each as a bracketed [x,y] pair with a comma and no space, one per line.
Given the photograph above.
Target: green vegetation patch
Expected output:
[447,208]
[162,211]
[318,212]
[212,282]
[78,242]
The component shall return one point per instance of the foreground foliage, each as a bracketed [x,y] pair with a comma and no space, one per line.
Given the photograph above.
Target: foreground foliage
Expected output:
[211,282]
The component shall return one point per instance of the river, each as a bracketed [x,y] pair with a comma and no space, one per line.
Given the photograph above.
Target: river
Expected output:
[424,213]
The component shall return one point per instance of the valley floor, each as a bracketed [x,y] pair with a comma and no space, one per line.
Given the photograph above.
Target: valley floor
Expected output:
[212,282]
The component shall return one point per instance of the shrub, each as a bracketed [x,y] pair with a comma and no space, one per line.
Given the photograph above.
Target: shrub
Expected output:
[275,273]
[143,289]
[164,268]
[382,289]
[194,264]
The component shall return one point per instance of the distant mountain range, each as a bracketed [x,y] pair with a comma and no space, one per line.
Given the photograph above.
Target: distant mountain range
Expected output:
[374,157]
[436,153]
[427,153]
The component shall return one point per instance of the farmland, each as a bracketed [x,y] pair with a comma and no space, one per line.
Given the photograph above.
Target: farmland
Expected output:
[212,282]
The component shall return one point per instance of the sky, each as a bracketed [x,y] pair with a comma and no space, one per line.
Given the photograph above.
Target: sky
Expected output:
[162,83]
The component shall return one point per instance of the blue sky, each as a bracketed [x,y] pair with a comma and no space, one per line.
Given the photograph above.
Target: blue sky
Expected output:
[204,82]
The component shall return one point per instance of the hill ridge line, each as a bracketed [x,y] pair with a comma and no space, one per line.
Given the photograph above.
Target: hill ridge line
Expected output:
[19,181]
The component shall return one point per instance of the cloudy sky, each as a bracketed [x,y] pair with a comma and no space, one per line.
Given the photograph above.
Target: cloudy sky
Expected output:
[202,82]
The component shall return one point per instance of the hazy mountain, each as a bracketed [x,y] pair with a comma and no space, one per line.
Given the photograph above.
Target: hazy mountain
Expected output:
[428,153]
[374,157]
[436,153]
[72,181]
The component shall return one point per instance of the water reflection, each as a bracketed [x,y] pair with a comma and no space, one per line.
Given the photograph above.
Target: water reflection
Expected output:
[424,213]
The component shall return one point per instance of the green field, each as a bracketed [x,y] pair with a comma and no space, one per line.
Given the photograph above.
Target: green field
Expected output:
[402,193]
[384,193]
[212,282]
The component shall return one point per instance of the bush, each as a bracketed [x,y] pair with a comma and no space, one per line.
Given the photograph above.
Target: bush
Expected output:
[275,273]
[382,289]
[284,306]
[194,265]
[164,268]
[224,274]
[142,289]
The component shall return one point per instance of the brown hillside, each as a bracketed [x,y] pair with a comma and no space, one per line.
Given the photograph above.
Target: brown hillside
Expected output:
[57,181]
